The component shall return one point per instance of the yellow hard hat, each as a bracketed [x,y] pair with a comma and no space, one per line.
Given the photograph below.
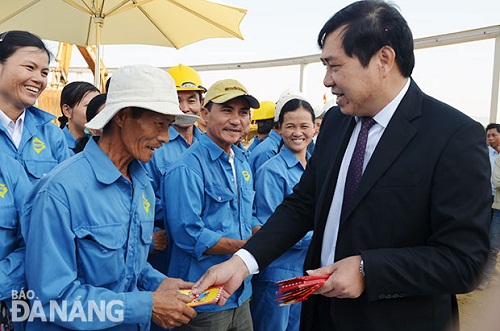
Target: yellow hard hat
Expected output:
[265,112]
[186,78]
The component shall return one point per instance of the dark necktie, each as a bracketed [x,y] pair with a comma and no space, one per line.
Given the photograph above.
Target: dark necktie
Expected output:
[355,170]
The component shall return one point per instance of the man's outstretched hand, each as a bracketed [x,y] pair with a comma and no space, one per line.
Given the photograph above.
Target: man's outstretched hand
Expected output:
[230,274]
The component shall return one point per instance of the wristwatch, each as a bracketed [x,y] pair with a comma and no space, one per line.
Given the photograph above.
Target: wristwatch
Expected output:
[362,268]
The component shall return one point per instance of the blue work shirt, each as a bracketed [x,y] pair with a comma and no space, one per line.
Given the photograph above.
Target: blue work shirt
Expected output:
[274,181]
[70,140]
[265,150]
[255,142]
[14,185]
[89,234]
[164,157]
[203,204]
[42,144]
[245,151]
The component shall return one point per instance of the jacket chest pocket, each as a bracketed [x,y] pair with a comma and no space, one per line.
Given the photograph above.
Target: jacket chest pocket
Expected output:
[219,208]
[39,168]
[101,253]
[146,237]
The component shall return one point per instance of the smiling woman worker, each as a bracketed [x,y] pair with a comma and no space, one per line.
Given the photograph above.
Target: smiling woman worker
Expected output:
[274,181]
[26,133]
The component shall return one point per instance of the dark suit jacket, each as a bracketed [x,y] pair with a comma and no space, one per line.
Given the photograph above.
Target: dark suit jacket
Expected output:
[420,218]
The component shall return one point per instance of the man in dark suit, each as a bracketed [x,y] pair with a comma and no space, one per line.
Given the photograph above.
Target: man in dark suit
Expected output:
[397,191]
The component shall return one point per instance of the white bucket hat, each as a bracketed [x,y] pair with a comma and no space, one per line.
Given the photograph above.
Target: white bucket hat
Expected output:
[286,96]
[142,86]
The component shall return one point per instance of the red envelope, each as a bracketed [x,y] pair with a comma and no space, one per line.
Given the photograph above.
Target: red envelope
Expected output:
[297,289]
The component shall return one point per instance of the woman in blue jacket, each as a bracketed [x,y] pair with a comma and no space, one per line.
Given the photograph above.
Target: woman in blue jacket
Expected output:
[14,185]
[75,98]
[274,181]
[26,133]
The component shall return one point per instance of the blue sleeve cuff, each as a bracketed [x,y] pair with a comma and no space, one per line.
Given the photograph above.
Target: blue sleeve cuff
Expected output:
[138,307]
[207,239]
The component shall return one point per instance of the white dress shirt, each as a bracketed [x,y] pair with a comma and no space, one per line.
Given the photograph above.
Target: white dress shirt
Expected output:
[332,222]
[15,129]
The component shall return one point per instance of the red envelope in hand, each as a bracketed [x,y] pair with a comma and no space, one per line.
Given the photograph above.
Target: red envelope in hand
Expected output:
[297,289]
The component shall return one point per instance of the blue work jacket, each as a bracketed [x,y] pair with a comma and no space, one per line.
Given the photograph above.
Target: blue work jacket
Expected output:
[164,157]
[14,185]
[42,144]
[274,181]
[70,140]
[203,204]
[265,150]
[88,237]
[256,141]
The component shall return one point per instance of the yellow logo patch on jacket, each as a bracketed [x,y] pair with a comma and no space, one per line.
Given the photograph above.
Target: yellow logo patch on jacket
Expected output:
[146,202]
[3,190]
[246,175]
[38,145]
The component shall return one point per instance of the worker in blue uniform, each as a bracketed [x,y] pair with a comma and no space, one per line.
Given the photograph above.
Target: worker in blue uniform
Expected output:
[263,117]
[190,95]
[26,132]
[14,185]
[88,237]
[208,199]
[75,97]
[274,181]
[269,147]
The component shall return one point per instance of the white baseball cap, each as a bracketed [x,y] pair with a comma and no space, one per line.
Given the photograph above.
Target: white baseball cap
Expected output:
[286,96]
[142,86]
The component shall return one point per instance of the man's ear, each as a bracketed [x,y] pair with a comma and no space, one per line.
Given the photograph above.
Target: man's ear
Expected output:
[387,59]
[204,113]
[121,117]
[66,110]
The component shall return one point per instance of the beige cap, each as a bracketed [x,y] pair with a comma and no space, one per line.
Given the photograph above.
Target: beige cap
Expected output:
[228,89]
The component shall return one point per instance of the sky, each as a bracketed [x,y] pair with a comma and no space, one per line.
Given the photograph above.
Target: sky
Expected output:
[460,75]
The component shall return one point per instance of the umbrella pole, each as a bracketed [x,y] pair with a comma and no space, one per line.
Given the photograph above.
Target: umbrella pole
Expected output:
[97,72]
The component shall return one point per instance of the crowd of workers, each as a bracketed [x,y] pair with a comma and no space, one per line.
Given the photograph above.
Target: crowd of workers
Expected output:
[149,189]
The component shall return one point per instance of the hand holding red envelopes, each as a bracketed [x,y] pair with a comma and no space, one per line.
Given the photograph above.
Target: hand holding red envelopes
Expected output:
[297,289]
[209,296]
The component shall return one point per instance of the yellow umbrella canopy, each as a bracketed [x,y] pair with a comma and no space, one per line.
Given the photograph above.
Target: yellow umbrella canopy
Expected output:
[171,23]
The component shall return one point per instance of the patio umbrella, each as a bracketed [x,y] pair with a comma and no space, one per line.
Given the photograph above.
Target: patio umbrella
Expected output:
[171,23]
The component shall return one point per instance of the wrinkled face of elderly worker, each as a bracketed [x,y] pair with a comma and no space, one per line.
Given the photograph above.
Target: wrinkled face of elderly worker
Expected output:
[142,131]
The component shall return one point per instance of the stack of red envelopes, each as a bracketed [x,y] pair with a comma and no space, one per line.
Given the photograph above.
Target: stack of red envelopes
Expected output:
[297,289]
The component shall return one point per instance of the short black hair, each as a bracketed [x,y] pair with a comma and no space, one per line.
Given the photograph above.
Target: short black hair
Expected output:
[492,126]
[369,26]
